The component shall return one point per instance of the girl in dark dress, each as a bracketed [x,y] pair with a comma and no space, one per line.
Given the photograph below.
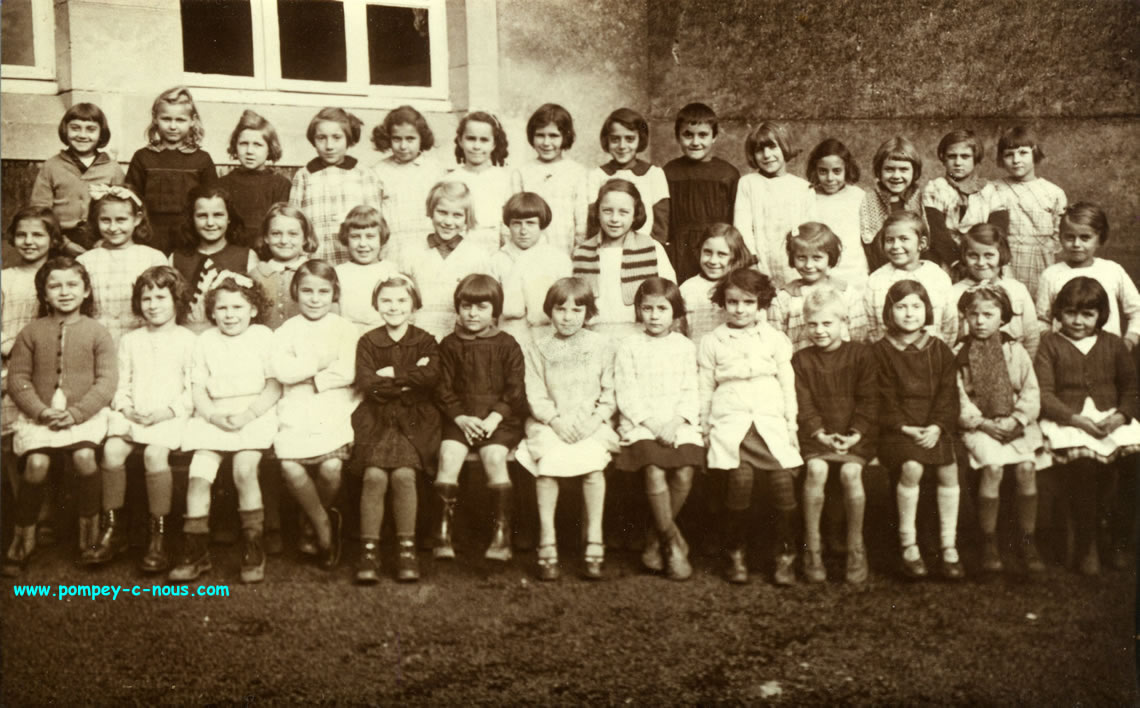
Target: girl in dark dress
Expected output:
[918,416]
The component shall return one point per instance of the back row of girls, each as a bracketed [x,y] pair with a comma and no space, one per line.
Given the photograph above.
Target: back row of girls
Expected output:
[691,192]
[237,406]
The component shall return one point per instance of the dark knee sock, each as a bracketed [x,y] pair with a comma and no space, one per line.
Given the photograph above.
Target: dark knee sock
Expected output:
[252,519]
[29,502]
[784,500]
[114,487]
[988,514]
[90,488]
[1026,505]
[739,494]
[1082,495]
[159,490]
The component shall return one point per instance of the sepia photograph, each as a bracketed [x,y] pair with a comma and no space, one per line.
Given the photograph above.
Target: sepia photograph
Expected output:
[563,352]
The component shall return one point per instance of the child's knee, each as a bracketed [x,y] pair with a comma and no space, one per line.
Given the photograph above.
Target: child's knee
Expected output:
[245,474]
[948,475]
[329,471]
[115,452]
[155,458]
[655,480]
[1026,475]
[851,475]
[375,477]
[204,468]
[403,478]
[816,472]
[36,468]
[293,474]
[911,473]
[683,477]
[992,475]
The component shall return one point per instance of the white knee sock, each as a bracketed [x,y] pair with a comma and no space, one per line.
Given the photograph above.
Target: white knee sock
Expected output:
[908,509]
[948,515]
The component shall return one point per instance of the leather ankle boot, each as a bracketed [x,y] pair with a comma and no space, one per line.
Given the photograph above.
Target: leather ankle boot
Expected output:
[448,493]
[156,560]
[500,548]
[112,539]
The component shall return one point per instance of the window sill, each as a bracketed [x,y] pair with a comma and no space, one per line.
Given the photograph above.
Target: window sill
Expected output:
[43,87]
[325,98]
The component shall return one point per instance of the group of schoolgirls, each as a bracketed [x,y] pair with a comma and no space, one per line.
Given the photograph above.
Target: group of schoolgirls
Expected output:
[540,315]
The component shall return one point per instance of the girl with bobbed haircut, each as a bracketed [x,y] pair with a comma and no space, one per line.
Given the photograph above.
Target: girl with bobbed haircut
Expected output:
[630,120]
[1020,136]
[766,134]
[640,215]
[962,137]
[1090,215]
[363,217]
[901,149]
[248,288]
[351,125]
[89,112]
[827,148]
[549,113]
[309,243]
[455,191]
[317,268]
[46,216]
[478,288]
[498,153]
[403,115]
[1082,294]
[814,236]
[158,278]
[252,120]
[991,235]
[750,281]
[897,292]
[527,205]
[399,281]
[987,292]
[662,287]
[574,290]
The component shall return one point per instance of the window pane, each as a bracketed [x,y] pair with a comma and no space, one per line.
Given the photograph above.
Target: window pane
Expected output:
[312,40]
[16,41]
[217,37]
[399,49]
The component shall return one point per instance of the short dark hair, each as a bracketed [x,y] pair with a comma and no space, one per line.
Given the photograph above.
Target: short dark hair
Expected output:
[566,289]
[955,137]
[549,113]
[477,288]
[318,269]
[157,278]
[900,149]
[989,235]
[1020,136]
[659,286]
[827,148]
[897,292]
[990,292]
[813,236]
[769,133]
[87,307]
[211,190]
[46,216]
[692,114]
[1082,293]
[630,120]
[347,121]
[741,256]
[624,186]
[527,205]
[403,115]
[90,112]
[750,281]
[1088,214]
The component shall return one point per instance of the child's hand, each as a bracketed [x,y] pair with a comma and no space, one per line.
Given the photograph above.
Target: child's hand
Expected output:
[223,421]
[564,429]
[1130,341]
[668,433]
[423,361]
[49,416]
[928,437]
[991,428]
[849,440]
[387,372]
[911,431]
[64,421]
[654,425]
[491,422]
[1085,424]
[1112,422]
[240,420]
[471,426]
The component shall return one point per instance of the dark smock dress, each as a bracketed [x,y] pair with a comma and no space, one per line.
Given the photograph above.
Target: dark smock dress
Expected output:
[837,392]
[917,386]
[480,375]
[700,194]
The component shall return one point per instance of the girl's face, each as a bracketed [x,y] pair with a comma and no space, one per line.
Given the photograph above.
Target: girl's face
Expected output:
[909,314]
[1078,323]
[983,262]
[211,219]
[525,232]
[232,312]
[622,144]
[825,328]
[157,306]
[478,143]
[315,296]
[984,318]
[173,122]
[1079,243]
[742,307]
[83,136]
[812,265]
[331,142]
[252,149]
[476,316]
[449,218]
[286,238]
[65,291]
[656,315]
[32,240]
[615,211]
[770,160]
[959,161]
[696,140]
[902,245]
[394,306]
[896,175]
[548,142]
[568,317]
[716,256]
[117,222]
[831,173]
[1018,163]
[405,141]
[364,245]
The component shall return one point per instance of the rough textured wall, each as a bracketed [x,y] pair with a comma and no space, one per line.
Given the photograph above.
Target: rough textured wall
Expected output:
[590,56]
[866,71]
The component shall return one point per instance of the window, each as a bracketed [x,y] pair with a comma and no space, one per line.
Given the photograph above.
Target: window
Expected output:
[27,41]
[395,48]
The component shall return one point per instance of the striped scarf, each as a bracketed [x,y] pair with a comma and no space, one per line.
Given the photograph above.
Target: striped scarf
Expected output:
[638,262]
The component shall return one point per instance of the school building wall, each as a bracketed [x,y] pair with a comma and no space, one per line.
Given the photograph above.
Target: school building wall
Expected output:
[861,71]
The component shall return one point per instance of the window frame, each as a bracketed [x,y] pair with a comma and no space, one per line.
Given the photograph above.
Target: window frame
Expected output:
[43,46]
[267,79]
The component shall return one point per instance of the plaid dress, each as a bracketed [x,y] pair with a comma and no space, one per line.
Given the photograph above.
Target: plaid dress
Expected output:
[563,185]
[702,315]
[1035,209]
[786,313]
[113,273]
[938,287]
[326,193]
[406,187]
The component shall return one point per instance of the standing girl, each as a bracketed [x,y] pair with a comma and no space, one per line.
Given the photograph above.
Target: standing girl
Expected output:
[287,240]
[171,164]
[119,219]
[721,250]
[481,151]
[1089,410]
[446,256]
[897,167]
[314,356]
[482,394]
[396,426]
[364,233]
[770,202]
[253,185]
[527,267]
[748,414]
[625,134]
[837,393]
[559,180]
[62,375]
[235,402]
[655,376]
[408,174]
[615,261]
[836,202]
[151,407]
[63,182]
[918,416]
[999,402]
[985,253]
[332,183]
[570,389]
[207,246]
